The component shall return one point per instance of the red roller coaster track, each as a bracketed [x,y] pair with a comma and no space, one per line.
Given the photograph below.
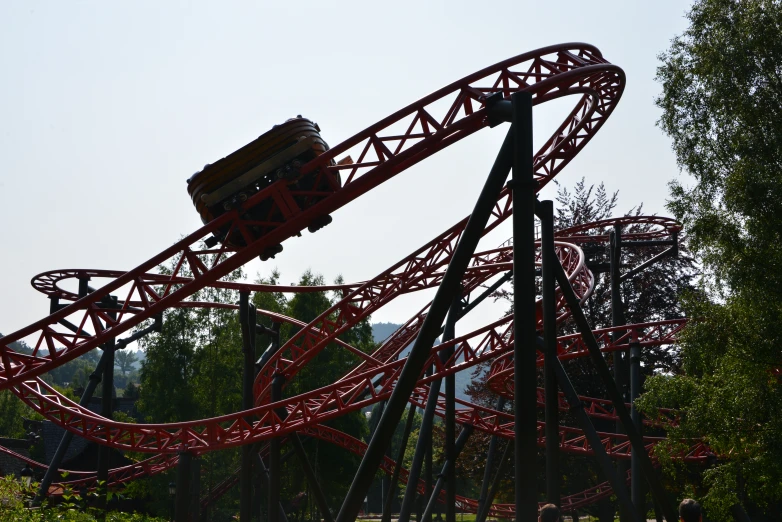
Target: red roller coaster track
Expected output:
[382,151]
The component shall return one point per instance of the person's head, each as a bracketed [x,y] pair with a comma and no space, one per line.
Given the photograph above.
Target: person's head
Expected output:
[689,511]
[549,513]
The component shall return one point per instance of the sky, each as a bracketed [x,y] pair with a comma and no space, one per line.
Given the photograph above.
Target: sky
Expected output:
[106,108]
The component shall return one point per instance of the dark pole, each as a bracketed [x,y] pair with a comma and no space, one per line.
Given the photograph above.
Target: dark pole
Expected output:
[450,419]
[447,468]
[616,397]
[275,467]
[398,467]
[421,450]
[411,412]
[550,351]
[309,473]
[54,465]
[247,322]
[617,319]
[576,406]
[636,482]
[419,354]
[263,473]
[183,475]
[428,440]
[106,408]
[495,485]
[195,489]
[489,463]
[524,351]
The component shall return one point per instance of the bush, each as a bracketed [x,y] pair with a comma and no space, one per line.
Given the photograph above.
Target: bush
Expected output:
[14,499]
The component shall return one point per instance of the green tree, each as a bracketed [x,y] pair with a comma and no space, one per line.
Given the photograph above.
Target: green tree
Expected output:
[722,108]
[124,360]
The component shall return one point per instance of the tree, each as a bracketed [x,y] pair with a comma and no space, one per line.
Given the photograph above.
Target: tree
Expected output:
[125,359]
[722,108]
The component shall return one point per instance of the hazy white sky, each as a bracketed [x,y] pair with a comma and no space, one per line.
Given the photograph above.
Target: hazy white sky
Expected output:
[107,107]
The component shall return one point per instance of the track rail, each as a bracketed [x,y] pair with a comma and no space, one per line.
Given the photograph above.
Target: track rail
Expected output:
[382,151]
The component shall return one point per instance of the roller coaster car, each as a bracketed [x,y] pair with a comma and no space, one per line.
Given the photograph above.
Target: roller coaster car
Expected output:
[276,155]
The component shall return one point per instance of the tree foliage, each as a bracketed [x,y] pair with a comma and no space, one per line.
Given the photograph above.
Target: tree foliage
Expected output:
[722,108]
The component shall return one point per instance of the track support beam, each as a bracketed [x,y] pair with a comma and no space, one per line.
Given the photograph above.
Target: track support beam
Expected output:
[548,255]
[636,482]
[489,463]
[247,322]
[524,346]
[275,466]
[451,445]
[183,478]
[398,467]
[616,397]
[419,354]
[448,467]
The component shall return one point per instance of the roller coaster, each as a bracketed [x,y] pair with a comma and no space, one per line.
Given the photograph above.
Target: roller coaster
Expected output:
[289,180]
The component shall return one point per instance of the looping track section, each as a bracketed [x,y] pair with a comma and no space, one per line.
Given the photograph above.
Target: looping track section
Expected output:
[383,150]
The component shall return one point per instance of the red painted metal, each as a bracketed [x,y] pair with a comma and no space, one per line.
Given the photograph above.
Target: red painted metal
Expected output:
[382,151]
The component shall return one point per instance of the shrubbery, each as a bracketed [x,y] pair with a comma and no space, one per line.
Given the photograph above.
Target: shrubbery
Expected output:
[14,499]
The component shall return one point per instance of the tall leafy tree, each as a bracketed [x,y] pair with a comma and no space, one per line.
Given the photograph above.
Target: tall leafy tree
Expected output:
[722,108]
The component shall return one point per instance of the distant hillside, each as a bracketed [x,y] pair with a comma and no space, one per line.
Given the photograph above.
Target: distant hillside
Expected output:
[381,332]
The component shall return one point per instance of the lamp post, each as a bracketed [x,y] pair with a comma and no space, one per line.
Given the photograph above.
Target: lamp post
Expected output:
[172,495]
[27,476]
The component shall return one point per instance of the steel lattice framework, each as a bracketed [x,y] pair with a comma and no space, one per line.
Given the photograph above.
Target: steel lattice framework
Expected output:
[382,151]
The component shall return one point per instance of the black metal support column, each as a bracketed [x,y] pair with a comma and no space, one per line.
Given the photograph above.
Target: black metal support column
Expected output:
[448,467]
[617,319]
[617,311]
[51,472]
[616,397]
[195,489]
[247,322]
[263,473]
[106,408]
[524,352]
[451,449]
[421,450]
[636,481]
[419,354]
[275,467]
[495,485]
[427,439]
[620,490]
[489,463]
[399,458]
[183,476]
[550,352]
[309,473]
